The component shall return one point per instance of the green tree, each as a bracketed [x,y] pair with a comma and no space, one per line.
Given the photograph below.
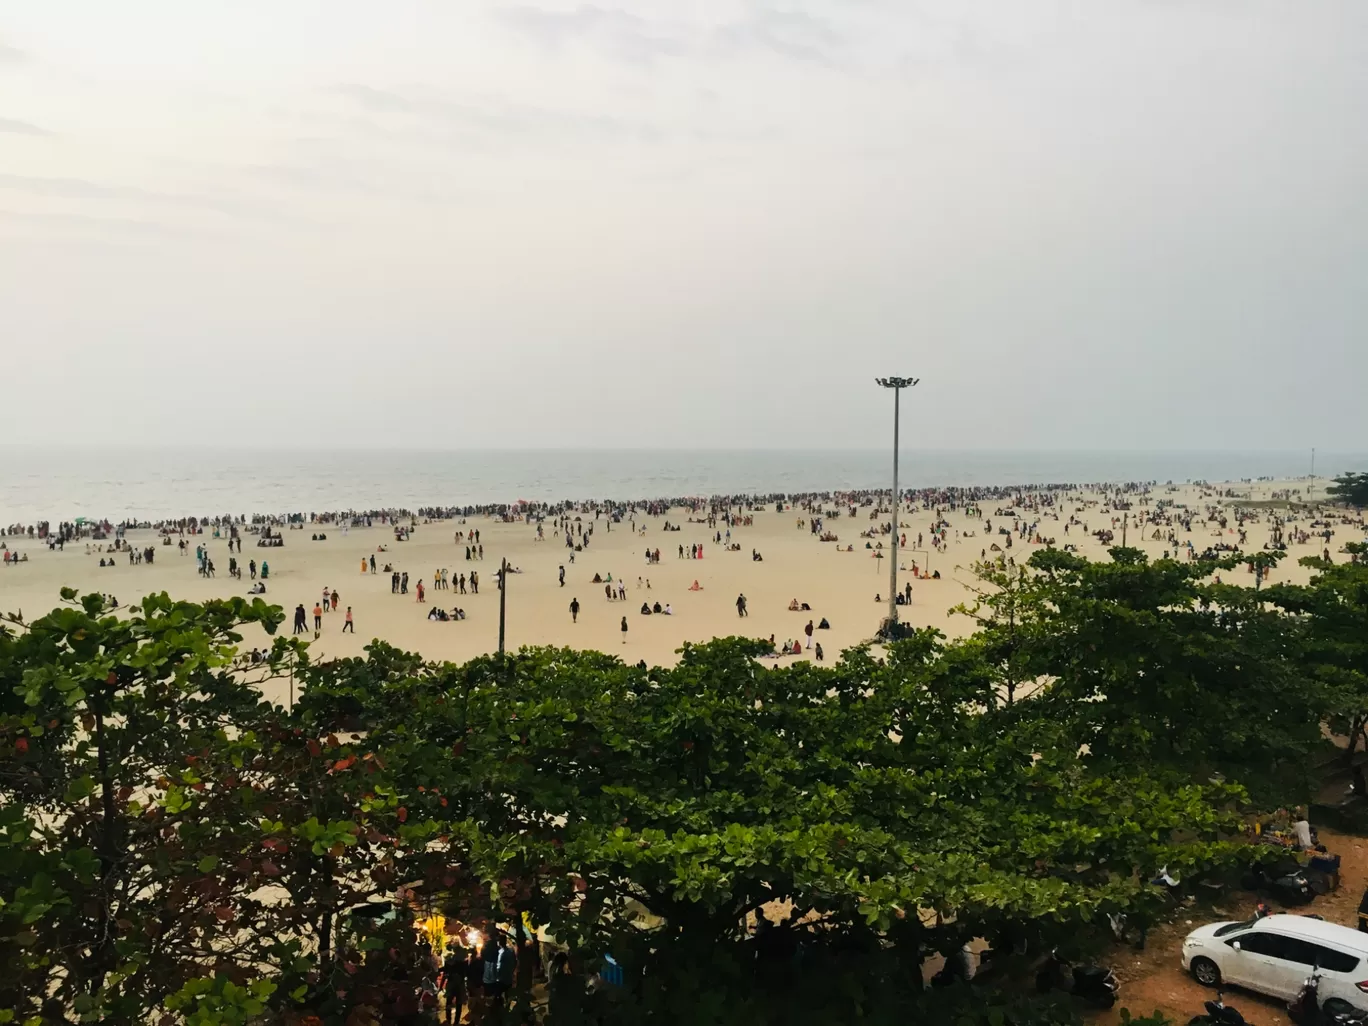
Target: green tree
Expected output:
[1154,664]
[649,813]
[1330,618]
[168,839]
[162,826]
[94,711]
[1351,488]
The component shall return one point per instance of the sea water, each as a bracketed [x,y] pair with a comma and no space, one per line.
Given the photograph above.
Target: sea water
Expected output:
[121,483]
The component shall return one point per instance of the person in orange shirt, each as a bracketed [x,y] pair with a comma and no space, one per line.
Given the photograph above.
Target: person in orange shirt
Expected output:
[318,617]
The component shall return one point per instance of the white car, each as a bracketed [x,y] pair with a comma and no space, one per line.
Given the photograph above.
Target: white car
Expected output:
[1275,954]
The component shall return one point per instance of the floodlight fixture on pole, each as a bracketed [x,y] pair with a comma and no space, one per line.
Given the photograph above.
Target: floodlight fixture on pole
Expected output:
[897,384]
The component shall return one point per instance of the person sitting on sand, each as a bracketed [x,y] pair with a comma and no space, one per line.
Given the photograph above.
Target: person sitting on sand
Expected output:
[668,610]
[793,606]
[824,625]
[656,608]
[695,586]
[645,609]
[257,589]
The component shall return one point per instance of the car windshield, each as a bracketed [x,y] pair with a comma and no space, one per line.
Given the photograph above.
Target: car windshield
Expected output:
[1232,927]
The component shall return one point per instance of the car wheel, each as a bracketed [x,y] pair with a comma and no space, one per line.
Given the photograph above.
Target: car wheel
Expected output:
[1338,1006]
[1206,972]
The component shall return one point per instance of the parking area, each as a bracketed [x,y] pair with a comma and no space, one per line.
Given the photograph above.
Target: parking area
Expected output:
[1153,979]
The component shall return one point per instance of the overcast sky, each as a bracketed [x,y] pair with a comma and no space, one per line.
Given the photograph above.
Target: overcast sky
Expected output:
[685,223]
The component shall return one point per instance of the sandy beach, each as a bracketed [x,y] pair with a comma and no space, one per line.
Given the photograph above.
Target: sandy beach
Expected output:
[839,585]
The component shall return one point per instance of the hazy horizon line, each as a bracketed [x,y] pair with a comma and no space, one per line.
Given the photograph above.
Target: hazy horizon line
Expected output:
[905,449]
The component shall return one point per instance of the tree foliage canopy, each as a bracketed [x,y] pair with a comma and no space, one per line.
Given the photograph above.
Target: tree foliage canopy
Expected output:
[170,841]
[1351,488]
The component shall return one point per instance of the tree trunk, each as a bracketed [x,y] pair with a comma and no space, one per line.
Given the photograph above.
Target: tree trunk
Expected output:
[104,956]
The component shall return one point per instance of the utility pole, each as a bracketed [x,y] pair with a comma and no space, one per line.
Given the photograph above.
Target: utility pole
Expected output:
[503,602]
[897,384]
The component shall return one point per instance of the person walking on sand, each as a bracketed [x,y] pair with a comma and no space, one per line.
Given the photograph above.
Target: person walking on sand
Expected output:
[318,618]
[420,592]
[574,610]
[348,625]
[335,600]
[372,562]
[624,630]
[808,631]
[562,575]
[300,625]
[741,606]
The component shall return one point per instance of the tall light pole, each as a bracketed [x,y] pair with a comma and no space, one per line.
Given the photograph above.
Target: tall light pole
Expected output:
[503,602]
[897,384]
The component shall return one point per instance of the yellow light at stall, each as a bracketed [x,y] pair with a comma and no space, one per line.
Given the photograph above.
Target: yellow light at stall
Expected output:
[433,930]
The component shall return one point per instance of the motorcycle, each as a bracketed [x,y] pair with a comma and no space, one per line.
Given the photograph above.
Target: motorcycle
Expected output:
[1305,1009]
[1095,984]
[1285,881]
[1218,1013]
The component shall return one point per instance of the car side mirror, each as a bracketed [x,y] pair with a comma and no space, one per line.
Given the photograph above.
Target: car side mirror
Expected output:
[1235,945]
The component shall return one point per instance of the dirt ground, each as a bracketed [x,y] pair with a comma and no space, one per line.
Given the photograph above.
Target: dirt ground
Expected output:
[1153,979]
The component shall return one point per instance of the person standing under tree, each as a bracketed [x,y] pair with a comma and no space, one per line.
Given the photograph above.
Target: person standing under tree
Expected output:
[454,969]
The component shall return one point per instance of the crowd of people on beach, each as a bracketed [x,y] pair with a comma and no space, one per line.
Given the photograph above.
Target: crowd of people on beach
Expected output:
[732,509]
[1003,519]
